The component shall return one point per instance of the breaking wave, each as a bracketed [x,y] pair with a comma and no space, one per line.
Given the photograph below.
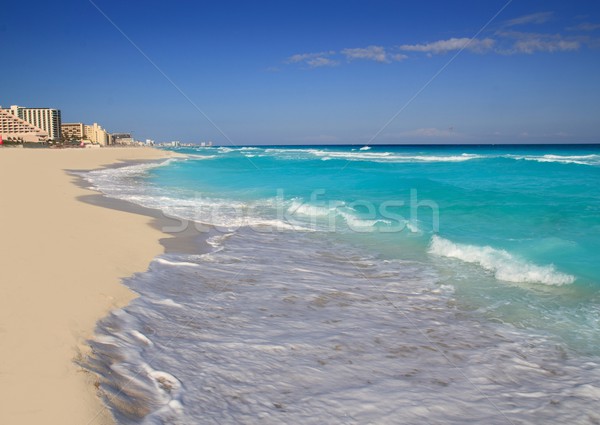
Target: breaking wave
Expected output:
[561,159]
[503,264]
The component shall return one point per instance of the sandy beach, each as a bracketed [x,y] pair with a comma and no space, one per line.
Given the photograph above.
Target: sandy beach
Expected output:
[61,262]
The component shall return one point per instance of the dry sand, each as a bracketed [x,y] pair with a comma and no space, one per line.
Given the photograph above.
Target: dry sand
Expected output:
[61,261]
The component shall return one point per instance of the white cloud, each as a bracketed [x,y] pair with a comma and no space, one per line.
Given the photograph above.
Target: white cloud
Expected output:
[374,53]
[399,57]
[327,58]
[532,45]
[313,60]
[305,56]
[506,41]
[444,46]
[534,18]
[532,42]
[318,62]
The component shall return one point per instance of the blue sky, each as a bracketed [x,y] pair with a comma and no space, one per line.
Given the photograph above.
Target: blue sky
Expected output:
[302,72]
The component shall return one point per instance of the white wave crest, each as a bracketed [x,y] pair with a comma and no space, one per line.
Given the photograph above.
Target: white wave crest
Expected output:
[504,265]
[561,159]
[197,156]
[364,154]
[141,337]
[357,223]
[168,302]
[300,208]
[334,210]
[447,158]
[216,241]
[176,263]
[110,181]
[125,171]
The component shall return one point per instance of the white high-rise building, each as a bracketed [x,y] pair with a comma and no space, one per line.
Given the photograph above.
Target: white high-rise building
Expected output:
[47,119]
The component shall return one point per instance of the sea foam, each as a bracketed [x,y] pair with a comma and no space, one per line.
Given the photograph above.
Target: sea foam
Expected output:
[176,263]
[590,160]
[299,328]
[503,264]
[334,210]
[367,155]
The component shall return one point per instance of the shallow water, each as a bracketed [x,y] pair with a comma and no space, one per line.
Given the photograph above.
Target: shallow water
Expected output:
[318,310]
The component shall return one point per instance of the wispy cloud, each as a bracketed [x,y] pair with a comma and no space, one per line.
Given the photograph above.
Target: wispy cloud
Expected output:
[305,56]
[505,41]
[399,57]
[444,46]
[534,18]
[373,53]
[540,45]
[585,26]
[314,60]
[556,135]
[532,42]
[332,58]
[321,61]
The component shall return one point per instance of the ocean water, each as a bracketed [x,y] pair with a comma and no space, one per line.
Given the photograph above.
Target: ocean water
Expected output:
[355,285]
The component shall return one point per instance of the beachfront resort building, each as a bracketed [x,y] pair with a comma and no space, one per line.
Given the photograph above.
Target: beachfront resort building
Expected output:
[47,119]
[13,128]
[93,133]
[96,134]
[123,139]
[73,131]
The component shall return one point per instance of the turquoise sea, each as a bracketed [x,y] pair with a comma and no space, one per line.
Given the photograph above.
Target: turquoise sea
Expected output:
[363,284]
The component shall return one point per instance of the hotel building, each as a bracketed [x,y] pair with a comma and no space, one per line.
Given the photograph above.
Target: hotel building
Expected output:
[80,131]
[47,119]
[96,134]
[15,128]
[72,131]
[123,138]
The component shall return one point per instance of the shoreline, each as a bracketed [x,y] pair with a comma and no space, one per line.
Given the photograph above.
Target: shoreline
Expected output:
[61,264]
